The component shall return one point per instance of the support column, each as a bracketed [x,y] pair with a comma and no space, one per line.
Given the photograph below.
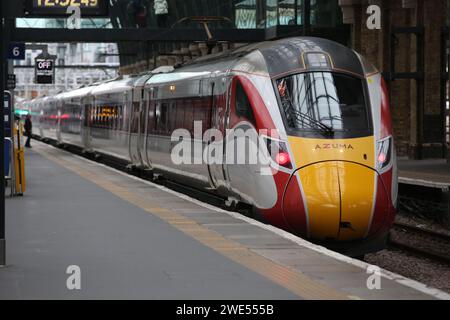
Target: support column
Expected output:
[427,117]
[351,14]
[2,136]
[370,43]
[447,111]
[416,89]
[434,19]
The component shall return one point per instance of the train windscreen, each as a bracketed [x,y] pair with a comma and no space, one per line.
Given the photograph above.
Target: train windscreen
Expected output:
[324,102]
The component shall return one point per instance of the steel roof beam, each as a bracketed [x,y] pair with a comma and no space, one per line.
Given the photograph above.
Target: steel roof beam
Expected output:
[121,35]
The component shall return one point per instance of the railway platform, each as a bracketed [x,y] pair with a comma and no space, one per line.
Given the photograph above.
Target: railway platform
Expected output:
[133,239]
[424,189]
[434,173]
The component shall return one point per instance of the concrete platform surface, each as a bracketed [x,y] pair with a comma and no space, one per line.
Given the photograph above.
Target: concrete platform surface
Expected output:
[132,239]
[429,173]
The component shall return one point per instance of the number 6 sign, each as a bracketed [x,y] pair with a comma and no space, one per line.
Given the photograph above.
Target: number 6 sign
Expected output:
[16,51]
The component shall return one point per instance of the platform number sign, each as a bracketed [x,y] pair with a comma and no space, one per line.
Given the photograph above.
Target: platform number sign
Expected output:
[45,71]
[16,51]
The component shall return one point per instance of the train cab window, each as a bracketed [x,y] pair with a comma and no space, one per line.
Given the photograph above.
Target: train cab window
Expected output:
[243,107]
[324,102]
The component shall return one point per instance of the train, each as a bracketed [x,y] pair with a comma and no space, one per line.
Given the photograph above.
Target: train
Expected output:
[321,110]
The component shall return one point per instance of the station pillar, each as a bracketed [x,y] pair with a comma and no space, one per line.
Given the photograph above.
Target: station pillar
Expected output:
[408,51]
[434,19]
[447,111]
[2,136]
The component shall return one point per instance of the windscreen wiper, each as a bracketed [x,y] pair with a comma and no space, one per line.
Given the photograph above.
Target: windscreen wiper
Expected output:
[301,116]
[317,124]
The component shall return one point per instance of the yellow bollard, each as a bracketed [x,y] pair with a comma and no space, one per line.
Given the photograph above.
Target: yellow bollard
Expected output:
[19,159]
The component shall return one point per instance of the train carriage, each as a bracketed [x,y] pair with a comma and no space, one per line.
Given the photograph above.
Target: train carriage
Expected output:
[48,119]
[74,108]
[326,166]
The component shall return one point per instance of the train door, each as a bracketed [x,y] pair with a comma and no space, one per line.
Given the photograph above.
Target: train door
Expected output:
[57,105]
[42,118]
[86,105]
[150,132]
[142,148]
[216,153]
[134,128]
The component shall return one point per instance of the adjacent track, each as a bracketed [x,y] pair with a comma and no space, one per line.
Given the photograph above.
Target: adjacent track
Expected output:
[422,242]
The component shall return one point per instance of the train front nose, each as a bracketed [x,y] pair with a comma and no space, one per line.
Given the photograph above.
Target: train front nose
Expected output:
[338,198]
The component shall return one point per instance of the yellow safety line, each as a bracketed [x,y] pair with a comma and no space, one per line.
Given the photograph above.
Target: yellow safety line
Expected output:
[293,280]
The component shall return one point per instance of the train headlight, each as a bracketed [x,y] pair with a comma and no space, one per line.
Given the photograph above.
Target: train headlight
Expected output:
[283,159]
[384,153]
[278,152]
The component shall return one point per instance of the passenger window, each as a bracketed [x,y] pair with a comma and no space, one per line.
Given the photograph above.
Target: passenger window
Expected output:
[189,115]
[151,117]
[172,117]
[162,122]
[243,107]
[179,114]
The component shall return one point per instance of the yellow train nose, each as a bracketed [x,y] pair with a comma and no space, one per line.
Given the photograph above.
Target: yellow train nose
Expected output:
[339,199]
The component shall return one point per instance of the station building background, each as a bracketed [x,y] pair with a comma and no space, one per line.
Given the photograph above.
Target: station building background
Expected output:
[77,64]
[418,85]
[410,49]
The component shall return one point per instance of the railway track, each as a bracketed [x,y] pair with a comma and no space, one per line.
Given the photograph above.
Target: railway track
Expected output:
[421,242]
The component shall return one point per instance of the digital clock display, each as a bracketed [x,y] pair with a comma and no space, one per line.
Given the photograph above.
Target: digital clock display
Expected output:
[59,7]
[66,3]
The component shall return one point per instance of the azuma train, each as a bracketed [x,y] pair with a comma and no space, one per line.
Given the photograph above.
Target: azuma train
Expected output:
[323,105]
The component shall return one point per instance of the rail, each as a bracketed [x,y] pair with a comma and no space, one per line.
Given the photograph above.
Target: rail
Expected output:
[421,242]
